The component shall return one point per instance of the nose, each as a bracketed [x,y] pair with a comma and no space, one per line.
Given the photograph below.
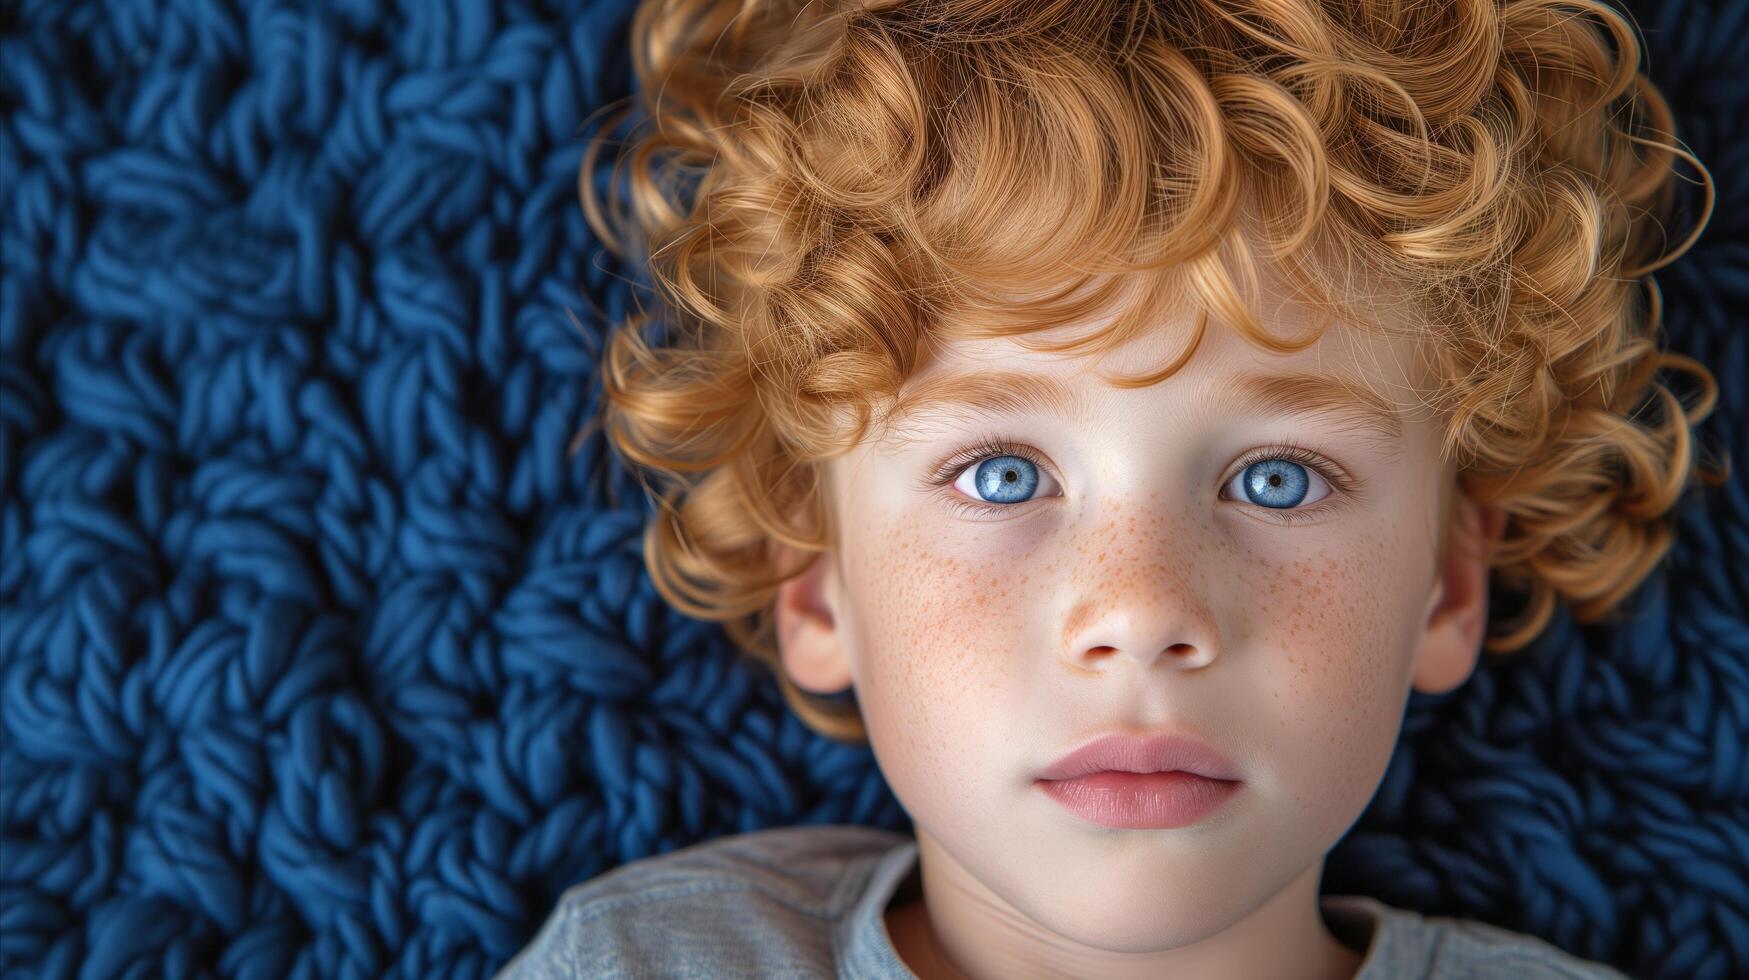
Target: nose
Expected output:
[1151,619]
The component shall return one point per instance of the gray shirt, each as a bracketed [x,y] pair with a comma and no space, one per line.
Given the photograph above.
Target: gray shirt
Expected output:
[809,901]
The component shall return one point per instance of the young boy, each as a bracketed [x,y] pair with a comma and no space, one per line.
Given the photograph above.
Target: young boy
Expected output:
[1130,624]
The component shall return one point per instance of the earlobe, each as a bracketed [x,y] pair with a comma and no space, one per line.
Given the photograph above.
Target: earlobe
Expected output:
[809,637]
[1457,614]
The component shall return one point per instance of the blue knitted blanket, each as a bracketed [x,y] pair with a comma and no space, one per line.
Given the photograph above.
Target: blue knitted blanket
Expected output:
[324,652]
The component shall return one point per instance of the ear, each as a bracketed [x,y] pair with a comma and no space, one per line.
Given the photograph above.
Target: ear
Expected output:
[1457,608]
[810,637]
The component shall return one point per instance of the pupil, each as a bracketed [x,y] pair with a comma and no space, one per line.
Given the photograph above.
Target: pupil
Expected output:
[1274,479]
[1009,475]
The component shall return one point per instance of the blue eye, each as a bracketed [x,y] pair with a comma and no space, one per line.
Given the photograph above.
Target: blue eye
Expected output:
[1005,479]
[1278,483]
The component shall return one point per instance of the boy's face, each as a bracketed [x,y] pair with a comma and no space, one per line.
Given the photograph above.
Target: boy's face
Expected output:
[1138,587]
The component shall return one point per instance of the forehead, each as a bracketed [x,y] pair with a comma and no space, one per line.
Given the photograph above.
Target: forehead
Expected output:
[1356,381]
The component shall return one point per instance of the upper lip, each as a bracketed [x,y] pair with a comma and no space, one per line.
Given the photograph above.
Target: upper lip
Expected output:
[1150,753]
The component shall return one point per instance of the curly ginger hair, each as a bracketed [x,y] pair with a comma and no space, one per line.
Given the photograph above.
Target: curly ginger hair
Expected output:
[830,188]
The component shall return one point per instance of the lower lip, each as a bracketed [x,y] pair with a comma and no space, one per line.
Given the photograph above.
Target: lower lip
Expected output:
[1141,801]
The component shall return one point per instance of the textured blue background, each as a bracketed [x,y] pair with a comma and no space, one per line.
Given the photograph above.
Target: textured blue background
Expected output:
[323,657]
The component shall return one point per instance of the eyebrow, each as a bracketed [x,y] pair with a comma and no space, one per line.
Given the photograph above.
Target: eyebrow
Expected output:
[990,394]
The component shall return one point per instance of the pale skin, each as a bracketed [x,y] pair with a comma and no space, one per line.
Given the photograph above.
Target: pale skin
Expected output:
[1127,594]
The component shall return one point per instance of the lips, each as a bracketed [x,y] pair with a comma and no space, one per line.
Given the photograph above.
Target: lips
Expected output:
[1148,782]
[1165,752]
[1141,801]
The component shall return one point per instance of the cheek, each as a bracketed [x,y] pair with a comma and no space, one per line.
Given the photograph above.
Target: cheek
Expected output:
[1334,648]
[934,634]
[937,608]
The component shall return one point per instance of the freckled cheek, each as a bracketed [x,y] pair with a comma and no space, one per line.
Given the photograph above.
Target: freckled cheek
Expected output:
[1333,646]
[940,606]
[940,637]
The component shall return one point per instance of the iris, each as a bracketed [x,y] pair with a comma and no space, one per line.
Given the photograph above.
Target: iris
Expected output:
[1006,479]
[1277,483]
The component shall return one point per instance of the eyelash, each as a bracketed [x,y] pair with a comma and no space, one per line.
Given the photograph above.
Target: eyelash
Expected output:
[948,470]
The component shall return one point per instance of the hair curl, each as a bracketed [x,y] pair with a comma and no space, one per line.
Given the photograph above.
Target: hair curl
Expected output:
[866,179]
